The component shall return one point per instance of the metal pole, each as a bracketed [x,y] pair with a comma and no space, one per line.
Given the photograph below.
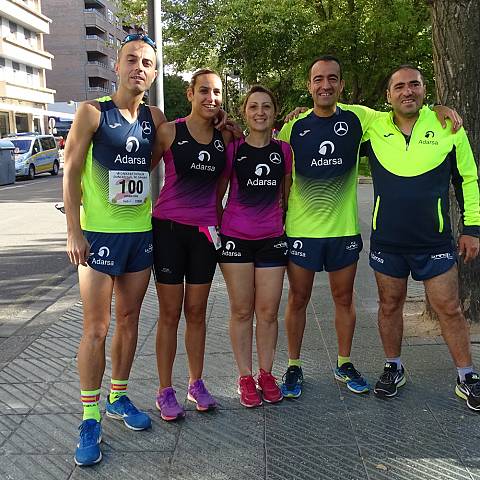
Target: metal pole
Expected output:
[156,93]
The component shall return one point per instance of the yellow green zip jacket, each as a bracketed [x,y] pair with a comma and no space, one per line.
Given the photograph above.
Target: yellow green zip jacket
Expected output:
[411,181]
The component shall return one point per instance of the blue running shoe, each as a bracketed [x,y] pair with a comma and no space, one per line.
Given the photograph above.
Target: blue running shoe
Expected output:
[292,382]
[88,448]
[124,409]
[349,375]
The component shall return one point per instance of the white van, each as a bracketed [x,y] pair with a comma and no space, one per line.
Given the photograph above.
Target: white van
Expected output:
[34,154]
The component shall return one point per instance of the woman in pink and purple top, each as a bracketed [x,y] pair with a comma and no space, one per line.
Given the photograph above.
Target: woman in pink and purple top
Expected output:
[254,250]
[184,237]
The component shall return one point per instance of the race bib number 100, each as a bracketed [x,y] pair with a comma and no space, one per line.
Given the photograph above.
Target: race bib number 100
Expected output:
[128,188]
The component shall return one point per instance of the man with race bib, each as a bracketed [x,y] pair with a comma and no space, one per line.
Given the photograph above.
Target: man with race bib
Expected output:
[108,209]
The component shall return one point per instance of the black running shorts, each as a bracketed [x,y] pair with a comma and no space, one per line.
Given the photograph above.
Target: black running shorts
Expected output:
[182,253]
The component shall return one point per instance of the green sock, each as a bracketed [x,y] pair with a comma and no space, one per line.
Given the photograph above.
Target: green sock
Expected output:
[341,360]
[118,388]
[294,362]
[90,400]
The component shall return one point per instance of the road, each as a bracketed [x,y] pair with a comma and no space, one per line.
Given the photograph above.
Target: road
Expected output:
[33,262]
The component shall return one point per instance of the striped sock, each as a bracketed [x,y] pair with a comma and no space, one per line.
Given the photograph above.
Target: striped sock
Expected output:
[341,360]
[295,362]
[90,400]
[118,388]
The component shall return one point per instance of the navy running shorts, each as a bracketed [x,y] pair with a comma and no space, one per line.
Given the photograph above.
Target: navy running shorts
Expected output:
[182,253]
[266,252]
[119,253]
[422,266]
[329,254]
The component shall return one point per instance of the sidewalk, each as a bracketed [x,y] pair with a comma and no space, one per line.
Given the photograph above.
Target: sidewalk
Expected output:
[329,433]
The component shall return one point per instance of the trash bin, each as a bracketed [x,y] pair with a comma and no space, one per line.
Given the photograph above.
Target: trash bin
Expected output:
[7,162]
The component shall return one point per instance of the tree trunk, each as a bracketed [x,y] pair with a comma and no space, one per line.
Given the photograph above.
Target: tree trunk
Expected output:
[456,40]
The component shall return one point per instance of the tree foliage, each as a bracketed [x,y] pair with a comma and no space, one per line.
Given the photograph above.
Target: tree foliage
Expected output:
[176,103]
[274,42]
[132,13]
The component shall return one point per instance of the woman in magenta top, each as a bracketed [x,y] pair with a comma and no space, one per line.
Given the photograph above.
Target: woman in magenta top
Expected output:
[254,250]
[184,237]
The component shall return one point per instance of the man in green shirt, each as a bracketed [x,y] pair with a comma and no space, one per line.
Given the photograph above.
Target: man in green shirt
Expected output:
[322,220]
[108,209]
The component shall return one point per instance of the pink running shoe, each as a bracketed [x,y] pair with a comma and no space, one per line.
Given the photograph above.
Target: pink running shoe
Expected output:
[167,404]
[247,390]
[268,385]
[198,394]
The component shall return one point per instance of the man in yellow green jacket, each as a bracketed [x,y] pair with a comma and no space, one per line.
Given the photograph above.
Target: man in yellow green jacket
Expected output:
[413,159]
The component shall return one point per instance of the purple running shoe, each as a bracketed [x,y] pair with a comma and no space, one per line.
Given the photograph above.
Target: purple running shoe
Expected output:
[167,404]
[198,394]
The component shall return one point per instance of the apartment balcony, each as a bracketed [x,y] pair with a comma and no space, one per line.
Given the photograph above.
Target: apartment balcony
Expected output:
[99,69]
[95,18]
[10,90]
[98,89]
[27,16]
[94,43]
[22,52]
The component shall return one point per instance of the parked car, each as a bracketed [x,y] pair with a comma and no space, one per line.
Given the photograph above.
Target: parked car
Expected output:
[34,154]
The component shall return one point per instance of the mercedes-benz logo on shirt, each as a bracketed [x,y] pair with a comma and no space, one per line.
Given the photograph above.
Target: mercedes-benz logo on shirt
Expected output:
[275,158]
[147,128]
[132,145]
[218,145]
[204,155]
[340,128]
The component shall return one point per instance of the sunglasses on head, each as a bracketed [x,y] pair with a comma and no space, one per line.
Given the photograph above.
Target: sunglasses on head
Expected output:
[139,36]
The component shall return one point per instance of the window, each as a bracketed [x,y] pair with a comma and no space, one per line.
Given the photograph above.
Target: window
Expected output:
[13,27]
[111,39]
[27,33]
[4,122]
[37,124]
[114,87]
[36,147]
[29,75]
[16,66]
[21,122]
[47,143]
[112,63]
[2,62]
[110,16]
[119,43]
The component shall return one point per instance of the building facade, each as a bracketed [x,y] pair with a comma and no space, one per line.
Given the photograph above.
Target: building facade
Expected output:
[85,37]
[23,63]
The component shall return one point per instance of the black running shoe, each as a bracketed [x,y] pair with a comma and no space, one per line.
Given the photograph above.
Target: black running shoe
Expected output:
[292,382]
[469,390]
[390,380]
